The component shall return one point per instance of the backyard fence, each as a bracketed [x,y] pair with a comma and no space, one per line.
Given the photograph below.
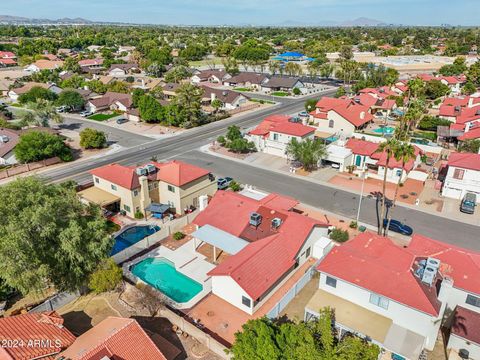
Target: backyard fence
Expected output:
[56,302]
[242,109]
[166,229]
[20,169]
[290,295]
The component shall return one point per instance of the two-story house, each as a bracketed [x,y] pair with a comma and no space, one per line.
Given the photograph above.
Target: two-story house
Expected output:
[462,175]
[275,132]
[396,296]
[133,190]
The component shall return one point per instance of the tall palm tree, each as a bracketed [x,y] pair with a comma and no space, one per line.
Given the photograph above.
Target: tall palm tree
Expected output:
[274,67]
[403,152]
[388,147]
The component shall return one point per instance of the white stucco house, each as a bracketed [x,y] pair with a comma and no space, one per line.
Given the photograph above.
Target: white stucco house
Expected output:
[261,234]
[275,132]
[462,176]
[396,297]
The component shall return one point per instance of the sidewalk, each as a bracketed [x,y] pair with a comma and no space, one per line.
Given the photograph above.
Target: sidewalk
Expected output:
[457,216]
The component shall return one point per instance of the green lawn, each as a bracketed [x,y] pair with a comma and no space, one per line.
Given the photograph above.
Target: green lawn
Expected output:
[241,89]
[112,227]
[261,101]
[280,93]
[102,117]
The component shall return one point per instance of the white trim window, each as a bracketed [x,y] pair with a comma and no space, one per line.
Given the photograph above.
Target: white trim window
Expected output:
[379,301]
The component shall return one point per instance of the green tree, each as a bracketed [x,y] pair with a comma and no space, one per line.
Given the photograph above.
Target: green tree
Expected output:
[233,133]
[188,105]
[340,92]
[36,93]
[97,86]
[388,147]
[177,74]
[310,104]
[74,82]
[119,87]
[309,152]
[40,113]
[41,145]
[71,64]
[92,139]
[216,104]
[458,67]
[106,277]
[231,66]
[72,99]
[435,89]
[471,146]
[469,88]
[150,109]
[48,237]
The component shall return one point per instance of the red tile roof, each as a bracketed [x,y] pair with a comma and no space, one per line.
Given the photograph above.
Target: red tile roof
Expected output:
[271,252]
[460,264]
[468,115]
[326,104]
[281,124]
[357,115]
[465,160]
[7,61]
[471,134]
[466,324]
[116,338]
[449,111]
[179,173]
[396,164]
[46,326]
[173,172]
[375,263]
[451,101]
[90,62]
[7,54]
[361,147]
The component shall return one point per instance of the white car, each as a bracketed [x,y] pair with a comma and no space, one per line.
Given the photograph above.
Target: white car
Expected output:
[86,113]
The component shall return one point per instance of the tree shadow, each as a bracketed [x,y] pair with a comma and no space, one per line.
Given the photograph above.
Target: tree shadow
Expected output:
[78,322]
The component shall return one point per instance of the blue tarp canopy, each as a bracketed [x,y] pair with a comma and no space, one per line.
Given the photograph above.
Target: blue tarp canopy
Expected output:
[157,208]
[291,54]
[220,239]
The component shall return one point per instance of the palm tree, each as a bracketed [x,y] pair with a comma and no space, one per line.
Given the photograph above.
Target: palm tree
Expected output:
[41,113]
[274,67]
[388,147]
[309,152]
[403,152]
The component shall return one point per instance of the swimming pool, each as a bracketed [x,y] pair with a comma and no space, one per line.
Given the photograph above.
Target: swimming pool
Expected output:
[385,130]
[131,236]
[161,274]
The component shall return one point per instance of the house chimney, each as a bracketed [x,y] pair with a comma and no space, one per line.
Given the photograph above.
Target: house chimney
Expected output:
[362,115]
[144,194]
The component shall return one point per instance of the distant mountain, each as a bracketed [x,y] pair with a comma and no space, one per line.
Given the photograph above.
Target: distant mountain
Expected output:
[18,20]
[362,21]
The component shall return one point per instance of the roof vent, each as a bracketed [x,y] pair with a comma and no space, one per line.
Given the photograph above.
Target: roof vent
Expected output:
[4,138]
[477,112]
[150,168]
[357,100]
[429,275]
[457,108]
[224,93]
[141,171]
[276,222]
[255,219]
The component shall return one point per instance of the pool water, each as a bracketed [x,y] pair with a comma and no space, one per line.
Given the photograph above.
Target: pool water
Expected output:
[385,130]
[131,236]
[161,274]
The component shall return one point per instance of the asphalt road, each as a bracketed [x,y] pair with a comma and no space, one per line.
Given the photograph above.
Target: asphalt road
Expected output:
[184,147]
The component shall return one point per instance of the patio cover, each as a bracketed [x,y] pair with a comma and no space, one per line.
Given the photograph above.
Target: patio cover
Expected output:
[98,196]
[352,316]
[158,208]
[404,342]
[220,239]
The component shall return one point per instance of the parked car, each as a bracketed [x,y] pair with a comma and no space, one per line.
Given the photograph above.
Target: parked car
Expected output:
[224,183]
[303,114]
[121,121]
[468,203]
[86,113]
[62,108]
[398,227]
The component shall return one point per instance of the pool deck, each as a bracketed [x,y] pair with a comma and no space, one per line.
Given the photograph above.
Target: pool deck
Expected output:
[187,261]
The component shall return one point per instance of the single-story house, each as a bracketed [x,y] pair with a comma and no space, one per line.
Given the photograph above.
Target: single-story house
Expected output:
[213,76]
[246,79]
[16,92]
[110,100]
[123,69]
[282,83]
[40,65]
[229,99]
[8,141]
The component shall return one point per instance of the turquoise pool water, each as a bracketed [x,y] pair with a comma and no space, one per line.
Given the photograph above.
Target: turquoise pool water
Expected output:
[161,274]
[385,130]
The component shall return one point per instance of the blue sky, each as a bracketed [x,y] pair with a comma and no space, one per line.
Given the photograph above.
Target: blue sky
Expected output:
[409,12]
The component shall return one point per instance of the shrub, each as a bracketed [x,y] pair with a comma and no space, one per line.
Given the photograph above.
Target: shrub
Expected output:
[234,186]
[353,224]
[106,278]
[178,236]
[339,235]
[40,145]
[36,93]
[296,91]
[221,140]
[92,139]
[71,99]
[138,215]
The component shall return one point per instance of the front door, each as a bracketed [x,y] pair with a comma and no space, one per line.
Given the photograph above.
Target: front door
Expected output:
[358,160]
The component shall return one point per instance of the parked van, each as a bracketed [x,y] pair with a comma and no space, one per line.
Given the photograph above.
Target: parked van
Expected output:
[468,203]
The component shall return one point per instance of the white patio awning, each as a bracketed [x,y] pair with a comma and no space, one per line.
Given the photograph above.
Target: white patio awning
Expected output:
[404,342]
[220,239]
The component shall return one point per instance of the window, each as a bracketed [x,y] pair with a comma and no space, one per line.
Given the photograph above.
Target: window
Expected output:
[114,187]
[399,173]
[126,208]
[97,180]
[246,301]
[458,174]
[275,137]
[331,123]
[135,192]
[171,188]
[308,252]
[331,282]
[379,301]
[473,300]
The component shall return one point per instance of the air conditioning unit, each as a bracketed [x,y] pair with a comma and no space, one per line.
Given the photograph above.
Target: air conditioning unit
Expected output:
[429,275]
[255,219]
[434,263]
[276,222]
[150,168]
[141,171]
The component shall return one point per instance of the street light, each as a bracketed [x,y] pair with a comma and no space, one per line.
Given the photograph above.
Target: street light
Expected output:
[364,175]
